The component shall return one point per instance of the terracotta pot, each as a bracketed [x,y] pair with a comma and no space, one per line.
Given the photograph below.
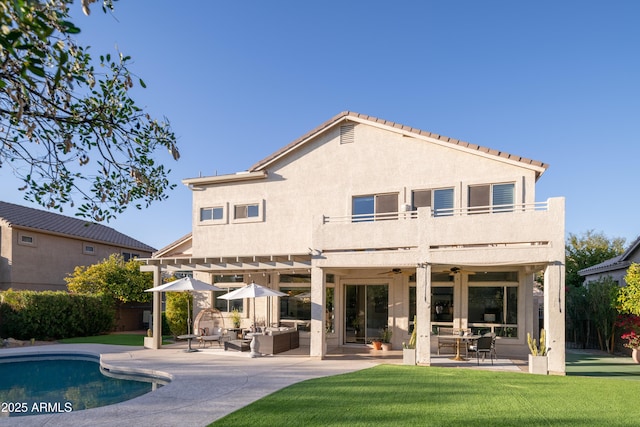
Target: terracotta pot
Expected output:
[377,345]
[635,355]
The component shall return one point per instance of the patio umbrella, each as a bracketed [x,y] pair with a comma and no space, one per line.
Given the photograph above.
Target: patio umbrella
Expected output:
[253,291]
[186,284]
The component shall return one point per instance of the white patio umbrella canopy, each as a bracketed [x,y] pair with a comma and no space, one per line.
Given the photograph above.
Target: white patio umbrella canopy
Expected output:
[252,290]
[187,284]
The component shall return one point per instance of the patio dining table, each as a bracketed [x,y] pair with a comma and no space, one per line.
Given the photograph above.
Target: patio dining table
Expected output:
[459,339]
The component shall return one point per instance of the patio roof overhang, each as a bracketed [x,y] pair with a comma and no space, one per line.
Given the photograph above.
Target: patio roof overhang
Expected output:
[233,264]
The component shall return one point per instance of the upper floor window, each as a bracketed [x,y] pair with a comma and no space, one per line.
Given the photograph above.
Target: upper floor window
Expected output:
[375,207]
[212,214]
[440,200]
[249,212]
[88,249]
[491,198]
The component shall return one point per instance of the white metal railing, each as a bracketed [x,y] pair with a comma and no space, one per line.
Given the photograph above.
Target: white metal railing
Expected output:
[475,210]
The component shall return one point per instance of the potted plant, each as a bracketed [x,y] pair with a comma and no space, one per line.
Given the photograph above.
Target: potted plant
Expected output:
[409,349]
[386,339]
[633,342]
[376,343]
[235,318]
[631,324]
[538,363]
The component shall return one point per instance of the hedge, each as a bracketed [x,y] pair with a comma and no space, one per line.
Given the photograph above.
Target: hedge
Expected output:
[50,315]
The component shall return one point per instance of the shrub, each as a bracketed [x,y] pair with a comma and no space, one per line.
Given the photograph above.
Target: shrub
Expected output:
[52,315]
[176,311]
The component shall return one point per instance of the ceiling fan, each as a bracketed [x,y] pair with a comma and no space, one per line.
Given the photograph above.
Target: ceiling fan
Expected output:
[454,270]
[393,271]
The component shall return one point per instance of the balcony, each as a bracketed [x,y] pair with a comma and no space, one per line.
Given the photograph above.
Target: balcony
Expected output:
[495,229]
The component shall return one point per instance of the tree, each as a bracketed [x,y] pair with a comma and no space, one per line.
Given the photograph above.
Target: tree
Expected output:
[629,295]
[68,131]
[602,298]
[587,250]
[584,251]
[122,281]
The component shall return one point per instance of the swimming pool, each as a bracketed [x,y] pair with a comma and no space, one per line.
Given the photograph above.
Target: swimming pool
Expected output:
[60,383]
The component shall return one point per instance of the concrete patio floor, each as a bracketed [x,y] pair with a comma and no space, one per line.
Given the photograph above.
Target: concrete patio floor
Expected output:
[212,383]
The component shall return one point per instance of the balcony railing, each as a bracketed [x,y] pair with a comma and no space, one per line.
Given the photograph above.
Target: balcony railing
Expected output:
[434,213]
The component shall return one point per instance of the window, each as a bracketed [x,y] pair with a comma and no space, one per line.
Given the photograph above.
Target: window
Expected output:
[375,207]
[88,249]
[26,239]
[228,283]
[250,212]
[297,304]
[494,305]
[330,326]
[491,198]
[441,200]
[212,214]
[128,256]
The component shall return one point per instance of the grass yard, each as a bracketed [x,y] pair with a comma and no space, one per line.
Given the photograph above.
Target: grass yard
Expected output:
[599,364]
[112,339]
[388,395]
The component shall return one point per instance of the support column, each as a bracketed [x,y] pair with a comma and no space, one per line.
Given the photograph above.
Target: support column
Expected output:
[317,346]
[157,305]
[554,317]
[423,314]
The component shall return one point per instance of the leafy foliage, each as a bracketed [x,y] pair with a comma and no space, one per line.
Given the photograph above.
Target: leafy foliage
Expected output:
[113,277]
[629,324]
[51,315]
[629,296]
[67,129]
[587,250]
[601,297]
[177,311]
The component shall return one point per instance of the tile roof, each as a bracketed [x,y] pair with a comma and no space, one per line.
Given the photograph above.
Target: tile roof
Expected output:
[160,252]
[49,222]
[345,115]
[616,263]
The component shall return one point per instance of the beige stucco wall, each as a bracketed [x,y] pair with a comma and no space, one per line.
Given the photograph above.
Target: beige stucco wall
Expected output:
[322,177]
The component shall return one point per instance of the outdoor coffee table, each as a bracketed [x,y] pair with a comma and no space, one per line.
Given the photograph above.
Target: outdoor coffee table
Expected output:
[238,345]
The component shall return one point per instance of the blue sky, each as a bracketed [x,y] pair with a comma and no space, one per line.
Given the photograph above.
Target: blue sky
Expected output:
[555,81]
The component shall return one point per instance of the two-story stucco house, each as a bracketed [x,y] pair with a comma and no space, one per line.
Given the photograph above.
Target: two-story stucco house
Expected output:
[38,249]
[365,223]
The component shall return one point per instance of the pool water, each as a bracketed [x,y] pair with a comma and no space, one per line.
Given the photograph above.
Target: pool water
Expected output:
[35,386]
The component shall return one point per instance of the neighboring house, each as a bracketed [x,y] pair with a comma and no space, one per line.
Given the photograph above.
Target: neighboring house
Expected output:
[38,249]
[614,268]
[365,223]
[180,248]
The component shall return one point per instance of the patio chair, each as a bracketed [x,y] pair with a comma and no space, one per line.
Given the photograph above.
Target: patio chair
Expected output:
[446,342]
[484,345]
[209,327]
[206,335]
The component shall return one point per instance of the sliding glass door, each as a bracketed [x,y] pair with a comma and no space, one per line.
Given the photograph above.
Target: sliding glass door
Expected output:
[366,312]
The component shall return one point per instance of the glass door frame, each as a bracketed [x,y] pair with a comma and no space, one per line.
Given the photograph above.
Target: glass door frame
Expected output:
[347,329]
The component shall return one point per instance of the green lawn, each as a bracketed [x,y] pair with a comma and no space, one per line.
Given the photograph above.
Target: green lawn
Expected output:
[388,395]
[113,339]
[598,364]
